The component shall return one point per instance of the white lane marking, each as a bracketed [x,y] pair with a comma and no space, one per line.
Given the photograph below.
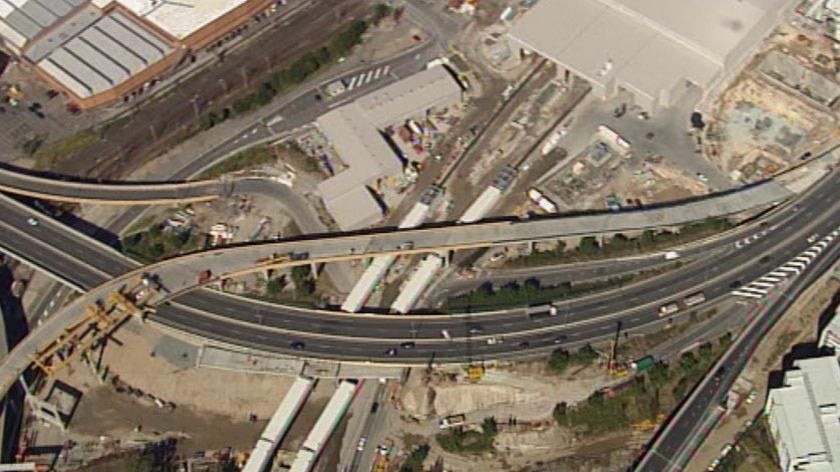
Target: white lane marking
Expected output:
[369,77]
[351,84]
[376,74]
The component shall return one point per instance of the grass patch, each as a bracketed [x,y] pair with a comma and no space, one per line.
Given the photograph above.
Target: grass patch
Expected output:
[301,70]
[755,452]
[560,359]
[457,440]
[141,224]
[621,245]
[531,292]
[782,345]
[254,156]
[47,155]
[155,244]
[642,399]
[414,461]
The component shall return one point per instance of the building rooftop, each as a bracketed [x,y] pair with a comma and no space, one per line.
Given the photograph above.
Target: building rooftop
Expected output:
[22,21]
[353,131]
[180,18]
[805,415]
[91,53]
[646,45]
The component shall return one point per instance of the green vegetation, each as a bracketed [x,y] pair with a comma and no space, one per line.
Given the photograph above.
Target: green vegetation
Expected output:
[621,245]
[414,461]
[456,440]
[755,452]
[302,69]
[561,359]
[642,398]
[380,11]
[249,158]
[304,294]
[156,244]
[532,292]
[46,155]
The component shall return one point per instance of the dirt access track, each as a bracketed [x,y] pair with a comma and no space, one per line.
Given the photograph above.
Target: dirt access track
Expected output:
[171,118]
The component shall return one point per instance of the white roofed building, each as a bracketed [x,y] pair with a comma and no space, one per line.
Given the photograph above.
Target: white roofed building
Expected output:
[804,416]
[651,48]
[100,51]
[354,132]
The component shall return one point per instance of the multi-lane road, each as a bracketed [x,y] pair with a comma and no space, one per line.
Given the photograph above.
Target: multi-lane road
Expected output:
[674,445]
[366,337]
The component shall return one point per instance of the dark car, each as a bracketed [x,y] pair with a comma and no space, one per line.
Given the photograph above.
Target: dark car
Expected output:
[560,338]
[298,345]
[408,345]
[524,344]
[735,284]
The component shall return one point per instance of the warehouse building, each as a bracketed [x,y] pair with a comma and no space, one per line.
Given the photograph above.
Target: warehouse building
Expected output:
[651,48]
[804,416]
[354,132]
[100,51]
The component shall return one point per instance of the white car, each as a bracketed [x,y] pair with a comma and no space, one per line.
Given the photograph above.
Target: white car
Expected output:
[32,221]
[361,446]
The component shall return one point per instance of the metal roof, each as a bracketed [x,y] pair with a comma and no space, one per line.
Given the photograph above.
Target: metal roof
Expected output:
[432,87]
[354,209]
[100,54]
[23,20]
[647,46]
[352,131]
[804,415]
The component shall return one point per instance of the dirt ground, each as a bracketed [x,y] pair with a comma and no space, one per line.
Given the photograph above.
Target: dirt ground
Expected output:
[212,406]
[221,392]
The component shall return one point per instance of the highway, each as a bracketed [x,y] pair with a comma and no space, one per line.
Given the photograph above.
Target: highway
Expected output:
[19,182]
[366,337]
[677,441]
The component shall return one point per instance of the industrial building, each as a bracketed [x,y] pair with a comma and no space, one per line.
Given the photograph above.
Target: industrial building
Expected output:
[354,131]
[804,416]
[100,51]
[651,48]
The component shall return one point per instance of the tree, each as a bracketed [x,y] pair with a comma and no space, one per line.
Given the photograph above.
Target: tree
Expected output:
[658,375]
[302,278]
[489,426]
[589,245]
[560,413]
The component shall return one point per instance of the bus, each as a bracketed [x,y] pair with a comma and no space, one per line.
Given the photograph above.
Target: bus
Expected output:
[695,299]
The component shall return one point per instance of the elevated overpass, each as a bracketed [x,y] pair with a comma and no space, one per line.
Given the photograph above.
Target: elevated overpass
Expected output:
[180,275]
[62,189]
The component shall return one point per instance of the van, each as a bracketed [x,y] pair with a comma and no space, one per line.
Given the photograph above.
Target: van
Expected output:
[668,309]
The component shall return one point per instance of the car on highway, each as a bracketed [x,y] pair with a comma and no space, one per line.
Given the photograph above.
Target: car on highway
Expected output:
[391,352]
[362,443]
[32,221]
[408,345]
[445,335]
[476,329]
[497,256]
[298,345]
[560,339]
[524,344]
[493,340]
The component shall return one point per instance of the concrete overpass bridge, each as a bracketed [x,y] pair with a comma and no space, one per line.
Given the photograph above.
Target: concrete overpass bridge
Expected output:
[180,275]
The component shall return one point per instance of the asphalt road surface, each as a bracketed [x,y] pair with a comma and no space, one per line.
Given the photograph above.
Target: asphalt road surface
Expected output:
[363,337]
[683,433]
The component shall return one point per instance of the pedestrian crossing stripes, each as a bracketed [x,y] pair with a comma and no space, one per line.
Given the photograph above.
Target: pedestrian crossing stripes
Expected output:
[363,78]
[761,287]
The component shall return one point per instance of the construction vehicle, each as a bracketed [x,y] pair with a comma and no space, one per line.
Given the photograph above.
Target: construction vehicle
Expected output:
[102,318]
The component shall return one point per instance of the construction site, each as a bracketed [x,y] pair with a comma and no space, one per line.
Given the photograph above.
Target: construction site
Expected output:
[783,103]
